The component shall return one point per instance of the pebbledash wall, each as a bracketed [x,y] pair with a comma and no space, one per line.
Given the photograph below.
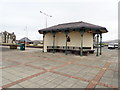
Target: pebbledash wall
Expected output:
[1,38]
[75,39]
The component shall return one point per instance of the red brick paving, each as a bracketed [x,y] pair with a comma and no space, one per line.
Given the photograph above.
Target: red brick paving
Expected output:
[21,80]
[95,80]
[107,85]
[92,83]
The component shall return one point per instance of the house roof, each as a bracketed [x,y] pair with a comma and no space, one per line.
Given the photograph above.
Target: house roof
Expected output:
[74,26]
[25,39]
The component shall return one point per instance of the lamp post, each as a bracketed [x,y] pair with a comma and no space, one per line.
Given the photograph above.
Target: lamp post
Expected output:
[46,17]
[46,25]
[26,35]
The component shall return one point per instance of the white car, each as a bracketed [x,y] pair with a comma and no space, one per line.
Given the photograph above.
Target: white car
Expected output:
[116,45]
[111,46]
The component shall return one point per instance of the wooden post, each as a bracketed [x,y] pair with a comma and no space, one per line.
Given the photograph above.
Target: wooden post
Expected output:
[81,49]
[100,43]
[97,44]
[66,33]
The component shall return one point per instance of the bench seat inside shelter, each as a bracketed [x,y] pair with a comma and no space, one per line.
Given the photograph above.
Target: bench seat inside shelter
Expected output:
[70,49]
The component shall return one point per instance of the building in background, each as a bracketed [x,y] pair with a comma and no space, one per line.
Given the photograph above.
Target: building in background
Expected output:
[6,37]
[25,40]
[37,42]
[0,37]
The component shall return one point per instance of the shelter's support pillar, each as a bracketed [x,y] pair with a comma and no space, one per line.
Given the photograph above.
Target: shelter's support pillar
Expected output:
[94,41]
[97,44]
[53,41]
[43,41]
[100,43]
[81,49]
[66,33]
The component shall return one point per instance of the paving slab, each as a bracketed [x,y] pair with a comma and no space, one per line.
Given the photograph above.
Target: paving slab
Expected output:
[46,64]
[98,86]
[92,62]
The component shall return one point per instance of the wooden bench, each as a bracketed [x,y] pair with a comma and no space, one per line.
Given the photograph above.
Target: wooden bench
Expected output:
[13,46]
[70,49]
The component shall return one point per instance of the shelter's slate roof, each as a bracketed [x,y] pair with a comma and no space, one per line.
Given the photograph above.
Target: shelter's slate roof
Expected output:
[74,26]
[25,39]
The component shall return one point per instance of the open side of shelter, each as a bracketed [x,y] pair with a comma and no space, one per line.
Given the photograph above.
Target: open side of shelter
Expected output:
[76,37]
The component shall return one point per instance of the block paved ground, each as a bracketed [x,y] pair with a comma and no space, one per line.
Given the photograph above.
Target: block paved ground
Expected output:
[34,69]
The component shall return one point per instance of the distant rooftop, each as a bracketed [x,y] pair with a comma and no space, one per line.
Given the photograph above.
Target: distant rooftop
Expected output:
[25,39]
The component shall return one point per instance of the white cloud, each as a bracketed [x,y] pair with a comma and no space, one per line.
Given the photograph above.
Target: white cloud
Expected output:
[16,14]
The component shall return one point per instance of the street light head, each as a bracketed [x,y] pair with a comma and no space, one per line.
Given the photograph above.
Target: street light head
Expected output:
[46,16]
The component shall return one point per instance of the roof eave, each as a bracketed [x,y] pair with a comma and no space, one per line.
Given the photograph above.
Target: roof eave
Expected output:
[101,29]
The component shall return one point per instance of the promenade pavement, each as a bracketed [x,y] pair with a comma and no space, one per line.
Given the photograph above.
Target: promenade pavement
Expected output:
[34,69]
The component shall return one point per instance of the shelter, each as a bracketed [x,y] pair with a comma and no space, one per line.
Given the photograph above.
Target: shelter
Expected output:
[75,37]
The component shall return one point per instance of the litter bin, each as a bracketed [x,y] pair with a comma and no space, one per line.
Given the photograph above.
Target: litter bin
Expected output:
[22,46]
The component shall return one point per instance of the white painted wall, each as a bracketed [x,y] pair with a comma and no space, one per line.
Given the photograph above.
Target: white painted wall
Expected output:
[88,40]
[74,39]
[48,41]
[60,39]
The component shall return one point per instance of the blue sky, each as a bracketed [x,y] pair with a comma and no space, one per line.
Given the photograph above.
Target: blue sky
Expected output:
[17,14]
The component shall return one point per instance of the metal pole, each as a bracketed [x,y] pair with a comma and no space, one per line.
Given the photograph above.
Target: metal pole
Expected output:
[46,17]
[46,22]
[26,35]
[66,33]
[81,49]
[53,42]
[100,43]
[43,41]
[97,44]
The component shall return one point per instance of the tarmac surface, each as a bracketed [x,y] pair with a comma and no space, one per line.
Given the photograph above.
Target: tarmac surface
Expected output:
[34,69]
